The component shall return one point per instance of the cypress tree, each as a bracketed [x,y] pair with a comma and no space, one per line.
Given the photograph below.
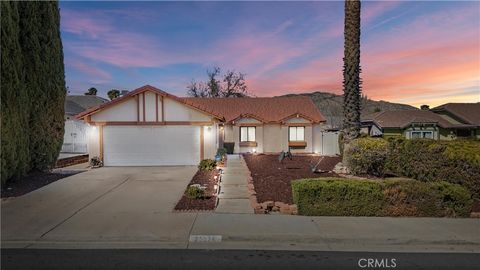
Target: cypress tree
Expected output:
[45,79]
[33,87]
[14,97]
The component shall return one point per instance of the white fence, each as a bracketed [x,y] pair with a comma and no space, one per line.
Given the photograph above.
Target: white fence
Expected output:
[329,143]
[75,137]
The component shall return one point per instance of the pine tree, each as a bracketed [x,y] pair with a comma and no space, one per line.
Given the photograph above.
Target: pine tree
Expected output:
[351,71]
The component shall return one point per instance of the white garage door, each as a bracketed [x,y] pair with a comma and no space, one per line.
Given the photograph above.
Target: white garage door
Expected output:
[151,145]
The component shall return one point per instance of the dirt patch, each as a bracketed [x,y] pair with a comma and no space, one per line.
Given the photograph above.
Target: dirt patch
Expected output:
[272,179]
[206,179]
[31,182]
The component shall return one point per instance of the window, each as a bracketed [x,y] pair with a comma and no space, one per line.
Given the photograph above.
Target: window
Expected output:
[296,133]
[422,134]
[247,134]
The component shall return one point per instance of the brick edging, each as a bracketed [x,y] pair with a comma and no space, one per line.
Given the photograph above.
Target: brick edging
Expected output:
[268,206]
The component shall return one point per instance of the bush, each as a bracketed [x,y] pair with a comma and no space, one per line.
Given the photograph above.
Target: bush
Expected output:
[207,165]
[367,156]
[345,197]
[456,162]
[195,192]
[435,199]
[337,197]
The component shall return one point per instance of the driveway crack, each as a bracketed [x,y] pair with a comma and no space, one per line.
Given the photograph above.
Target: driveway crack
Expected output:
[83,207]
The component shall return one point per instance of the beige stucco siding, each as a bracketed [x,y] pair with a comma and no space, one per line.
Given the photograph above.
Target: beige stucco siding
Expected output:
[210,141]
[150,107]
[297,120]
[272,138]
[124,111]
[176,111]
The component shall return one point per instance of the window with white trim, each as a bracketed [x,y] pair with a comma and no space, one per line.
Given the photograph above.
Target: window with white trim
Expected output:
[247,134]
[421,134]
[296,133]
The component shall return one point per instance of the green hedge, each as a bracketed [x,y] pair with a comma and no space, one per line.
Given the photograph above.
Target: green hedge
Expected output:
[345,197]
[455,162]
[336,197]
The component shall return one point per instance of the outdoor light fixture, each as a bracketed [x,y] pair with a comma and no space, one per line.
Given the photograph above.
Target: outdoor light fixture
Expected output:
[218,168]
[254,150]
[215,187]
[215,177]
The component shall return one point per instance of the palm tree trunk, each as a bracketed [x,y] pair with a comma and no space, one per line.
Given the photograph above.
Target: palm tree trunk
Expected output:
[351,71]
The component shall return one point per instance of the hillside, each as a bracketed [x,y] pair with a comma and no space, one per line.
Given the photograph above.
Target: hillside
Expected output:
[331,106]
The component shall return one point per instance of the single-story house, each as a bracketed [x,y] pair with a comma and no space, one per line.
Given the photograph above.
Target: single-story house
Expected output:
[446,122]
[75,136]
[462,114]
[149,127]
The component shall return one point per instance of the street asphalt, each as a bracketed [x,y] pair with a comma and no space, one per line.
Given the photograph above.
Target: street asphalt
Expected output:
[64,259]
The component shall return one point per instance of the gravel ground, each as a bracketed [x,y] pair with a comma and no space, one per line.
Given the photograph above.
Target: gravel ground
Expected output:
[272,178]
[205,179]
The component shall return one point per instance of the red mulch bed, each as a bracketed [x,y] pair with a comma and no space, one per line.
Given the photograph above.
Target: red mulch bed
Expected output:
[35,180]
[204,178]
[271,178]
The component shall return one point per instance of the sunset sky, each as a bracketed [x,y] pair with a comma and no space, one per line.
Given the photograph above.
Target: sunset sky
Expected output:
[412,52]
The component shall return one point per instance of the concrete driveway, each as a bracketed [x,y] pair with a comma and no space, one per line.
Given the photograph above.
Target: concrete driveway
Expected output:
[102,205]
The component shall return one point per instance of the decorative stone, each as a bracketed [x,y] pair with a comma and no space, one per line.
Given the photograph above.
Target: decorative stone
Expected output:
[269,203]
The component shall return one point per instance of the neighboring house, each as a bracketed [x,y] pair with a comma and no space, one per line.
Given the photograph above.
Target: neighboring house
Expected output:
[75,137]
[462,114]
[446,122]
[151,127]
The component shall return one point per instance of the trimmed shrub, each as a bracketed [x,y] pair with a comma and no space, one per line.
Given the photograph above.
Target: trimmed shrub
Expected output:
[367,156]
[207,165]
[195,192]
[337,197]
[345,197]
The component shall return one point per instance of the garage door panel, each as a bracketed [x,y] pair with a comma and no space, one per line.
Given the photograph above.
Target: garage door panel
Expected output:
[151,146]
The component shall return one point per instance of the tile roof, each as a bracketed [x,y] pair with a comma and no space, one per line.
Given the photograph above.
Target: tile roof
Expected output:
[274,109]
[467,112]
[271,109]
[404,118]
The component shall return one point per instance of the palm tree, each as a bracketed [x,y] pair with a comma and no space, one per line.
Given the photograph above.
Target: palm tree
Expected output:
[351,72]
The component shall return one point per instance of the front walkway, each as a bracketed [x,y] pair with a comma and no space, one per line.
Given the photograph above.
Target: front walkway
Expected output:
[233,197]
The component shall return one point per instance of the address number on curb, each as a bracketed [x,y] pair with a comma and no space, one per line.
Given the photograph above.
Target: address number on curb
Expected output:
[205,238]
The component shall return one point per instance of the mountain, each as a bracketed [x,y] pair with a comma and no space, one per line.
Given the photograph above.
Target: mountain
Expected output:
[331,106]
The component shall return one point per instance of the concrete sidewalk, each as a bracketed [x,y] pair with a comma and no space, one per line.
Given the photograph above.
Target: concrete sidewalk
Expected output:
[274,232]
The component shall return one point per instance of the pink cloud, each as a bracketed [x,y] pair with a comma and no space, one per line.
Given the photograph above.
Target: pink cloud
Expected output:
[94,72]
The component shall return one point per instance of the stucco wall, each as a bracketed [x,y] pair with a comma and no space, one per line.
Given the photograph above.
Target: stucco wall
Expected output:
[176,111]
[150,107]
[273,140]
[93,141]
[124,111]
[210,138]
[297,120]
